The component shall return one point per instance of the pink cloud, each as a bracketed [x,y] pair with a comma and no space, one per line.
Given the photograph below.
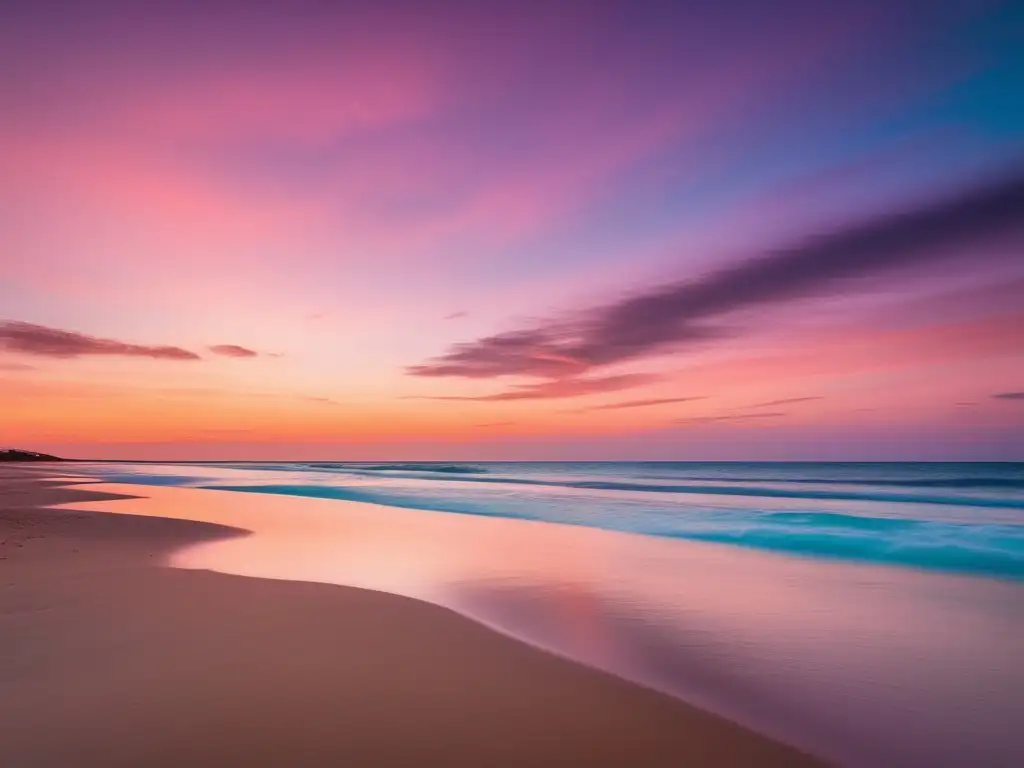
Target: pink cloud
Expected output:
[233,350]
[741,417]
[568,387]
[38,340]
[646,403]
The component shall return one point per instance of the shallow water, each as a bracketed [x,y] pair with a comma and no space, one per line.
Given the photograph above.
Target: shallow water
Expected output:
[864,664]
[956,517]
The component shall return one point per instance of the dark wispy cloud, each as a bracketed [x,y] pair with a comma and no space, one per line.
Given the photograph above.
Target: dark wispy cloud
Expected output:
[16,367]
[562,388]
[681,313]
[39,340]
[456,315]
[324,400]
[539,352]
[787,401]
[498,424]
[636,404]
[233,350]
[735,417]
[1009,396]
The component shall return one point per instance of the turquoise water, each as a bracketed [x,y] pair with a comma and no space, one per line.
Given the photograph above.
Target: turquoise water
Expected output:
[954,517]
[839,607]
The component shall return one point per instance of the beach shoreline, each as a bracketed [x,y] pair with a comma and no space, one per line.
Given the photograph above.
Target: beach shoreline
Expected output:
[112,658]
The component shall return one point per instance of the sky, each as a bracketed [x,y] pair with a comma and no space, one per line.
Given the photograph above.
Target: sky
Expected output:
[708,230]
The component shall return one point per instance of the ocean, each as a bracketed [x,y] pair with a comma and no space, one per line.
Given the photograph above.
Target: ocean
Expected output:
[869,613]
[956,517]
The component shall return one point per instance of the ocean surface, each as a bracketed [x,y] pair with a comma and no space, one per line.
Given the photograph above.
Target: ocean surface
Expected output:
[955,517]
[872,614]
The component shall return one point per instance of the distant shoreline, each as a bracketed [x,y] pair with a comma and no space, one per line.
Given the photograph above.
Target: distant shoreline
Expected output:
[12,455]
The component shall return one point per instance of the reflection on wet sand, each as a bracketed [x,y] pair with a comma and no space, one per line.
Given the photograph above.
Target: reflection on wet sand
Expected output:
[862,664]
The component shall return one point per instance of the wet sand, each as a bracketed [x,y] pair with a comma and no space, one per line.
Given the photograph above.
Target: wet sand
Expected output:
[110,658]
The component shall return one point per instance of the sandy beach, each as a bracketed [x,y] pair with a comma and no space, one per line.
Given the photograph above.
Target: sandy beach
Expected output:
[111,658]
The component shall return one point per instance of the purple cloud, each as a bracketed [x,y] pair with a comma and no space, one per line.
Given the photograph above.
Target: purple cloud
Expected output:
[531,352]
[674,315]
[1010,396]
[39,340]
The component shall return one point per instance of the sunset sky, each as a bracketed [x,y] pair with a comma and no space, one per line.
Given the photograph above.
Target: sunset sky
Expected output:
[524,230]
